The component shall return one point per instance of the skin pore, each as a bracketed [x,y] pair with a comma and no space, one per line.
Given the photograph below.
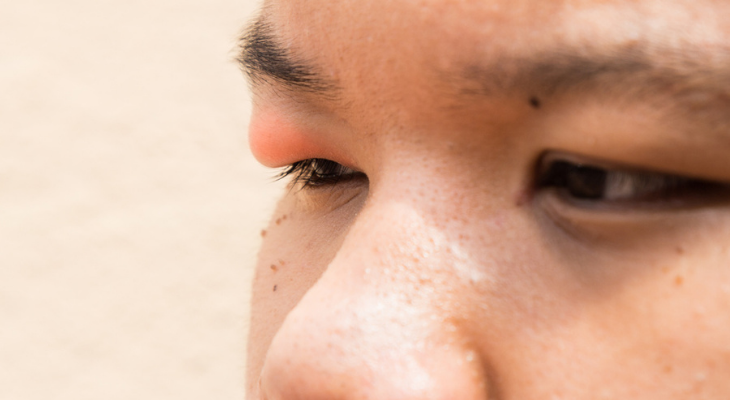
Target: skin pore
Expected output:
[493,199]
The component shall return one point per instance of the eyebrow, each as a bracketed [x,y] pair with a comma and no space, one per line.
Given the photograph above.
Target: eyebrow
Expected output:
[635,71]
[263,58]
[691,77]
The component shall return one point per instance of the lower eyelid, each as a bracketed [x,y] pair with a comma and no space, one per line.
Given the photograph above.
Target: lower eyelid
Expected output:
[328,199]
[591,223]
[625,230]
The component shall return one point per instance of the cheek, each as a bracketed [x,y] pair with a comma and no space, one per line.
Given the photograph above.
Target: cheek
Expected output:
[297,247]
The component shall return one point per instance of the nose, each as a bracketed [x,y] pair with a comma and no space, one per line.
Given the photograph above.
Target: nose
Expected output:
[382,322]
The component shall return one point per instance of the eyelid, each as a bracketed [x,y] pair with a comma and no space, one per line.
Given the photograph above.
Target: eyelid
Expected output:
[276,140]
[549,157]
[319,173]
[647,190]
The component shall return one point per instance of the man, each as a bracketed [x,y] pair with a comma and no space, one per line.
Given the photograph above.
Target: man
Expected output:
[496,199]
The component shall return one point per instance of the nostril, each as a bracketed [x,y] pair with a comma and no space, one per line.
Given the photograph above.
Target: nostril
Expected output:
[367,370]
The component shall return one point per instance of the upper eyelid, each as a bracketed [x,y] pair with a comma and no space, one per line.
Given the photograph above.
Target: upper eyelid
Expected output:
[611,166]
[651,192]
[549,157]
[638,175]
[304,172]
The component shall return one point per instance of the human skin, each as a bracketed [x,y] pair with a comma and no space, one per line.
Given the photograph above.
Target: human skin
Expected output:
[442,269]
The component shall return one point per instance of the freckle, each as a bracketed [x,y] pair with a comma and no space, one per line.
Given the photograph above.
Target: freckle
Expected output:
[284,217]
[274,267]
[680,250]
[275,287]
[665,270]
[535,102]
[278,221]
[263,233]
[668,369]
[282,262]
[679,281]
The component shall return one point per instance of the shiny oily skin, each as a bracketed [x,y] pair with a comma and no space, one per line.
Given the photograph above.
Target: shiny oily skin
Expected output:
[446,274]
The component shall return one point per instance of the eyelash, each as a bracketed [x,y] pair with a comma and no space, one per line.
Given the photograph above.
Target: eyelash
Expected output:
[578,182]
[318,172]
[591,184]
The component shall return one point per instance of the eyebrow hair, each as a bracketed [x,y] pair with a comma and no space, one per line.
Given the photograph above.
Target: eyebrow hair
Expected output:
[262,58]
[636,71]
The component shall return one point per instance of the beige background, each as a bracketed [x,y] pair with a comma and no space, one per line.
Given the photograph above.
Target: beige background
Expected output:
[129,204]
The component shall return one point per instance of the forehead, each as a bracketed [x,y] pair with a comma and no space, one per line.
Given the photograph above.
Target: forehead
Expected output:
[381,47]
[406,28]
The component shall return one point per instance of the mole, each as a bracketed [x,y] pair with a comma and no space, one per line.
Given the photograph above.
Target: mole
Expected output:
[535,102]
[275,287]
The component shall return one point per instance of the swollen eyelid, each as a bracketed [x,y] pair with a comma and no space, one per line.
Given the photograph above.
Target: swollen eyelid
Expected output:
[277,140]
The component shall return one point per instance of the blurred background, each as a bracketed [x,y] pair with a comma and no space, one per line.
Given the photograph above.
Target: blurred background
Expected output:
[130,207]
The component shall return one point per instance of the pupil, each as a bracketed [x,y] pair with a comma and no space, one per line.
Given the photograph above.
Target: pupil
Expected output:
[580,182]
[586,182]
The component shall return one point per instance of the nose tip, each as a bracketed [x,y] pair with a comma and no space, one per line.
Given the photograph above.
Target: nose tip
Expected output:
[355,352]
[382,321]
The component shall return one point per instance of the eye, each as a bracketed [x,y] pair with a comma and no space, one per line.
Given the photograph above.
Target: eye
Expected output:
[592,184]
[317,172]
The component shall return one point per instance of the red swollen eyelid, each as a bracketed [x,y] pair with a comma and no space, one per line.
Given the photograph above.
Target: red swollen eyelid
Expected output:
[277,142]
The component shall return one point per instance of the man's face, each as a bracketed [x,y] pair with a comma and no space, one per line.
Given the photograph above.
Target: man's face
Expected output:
[523,199]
